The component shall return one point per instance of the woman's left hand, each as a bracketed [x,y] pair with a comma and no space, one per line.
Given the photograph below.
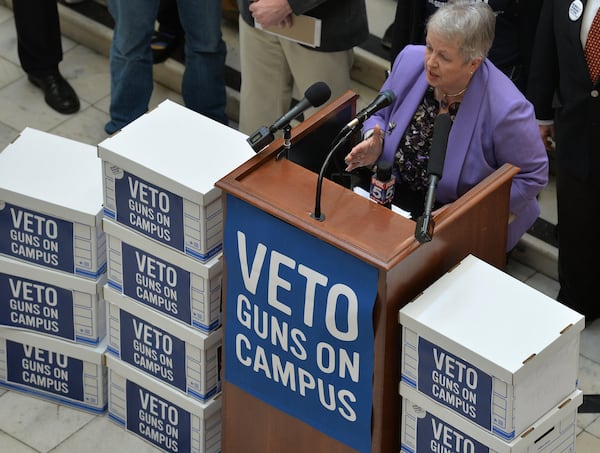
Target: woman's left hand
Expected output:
[366,152]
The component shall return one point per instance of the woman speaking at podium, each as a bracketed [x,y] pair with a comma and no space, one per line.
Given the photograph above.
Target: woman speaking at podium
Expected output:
[492,123]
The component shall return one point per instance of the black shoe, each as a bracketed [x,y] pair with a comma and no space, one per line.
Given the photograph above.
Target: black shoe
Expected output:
[57,92]
[163,45]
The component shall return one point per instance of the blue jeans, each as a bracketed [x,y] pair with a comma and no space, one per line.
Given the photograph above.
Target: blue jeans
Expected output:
[203,84]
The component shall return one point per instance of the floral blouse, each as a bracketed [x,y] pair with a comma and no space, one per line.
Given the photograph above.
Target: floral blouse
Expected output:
[412,155]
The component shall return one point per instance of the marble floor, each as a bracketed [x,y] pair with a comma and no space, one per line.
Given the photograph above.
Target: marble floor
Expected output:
[29,425]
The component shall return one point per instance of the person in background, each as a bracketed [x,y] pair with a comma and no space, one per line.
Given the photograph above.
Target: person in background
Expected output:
[493,123]
[271,66]
[516,21]
[40,52]
[170,33]
[203,84]
[564,88]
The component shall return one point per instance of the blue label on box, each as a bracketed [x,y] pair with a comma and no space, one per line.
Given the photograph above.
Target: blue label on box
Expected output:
[36,306]
[153,350]
[156,283]
[455,383]
[150,210]
[38,238]
[156,419]
[435,435]
[44,370]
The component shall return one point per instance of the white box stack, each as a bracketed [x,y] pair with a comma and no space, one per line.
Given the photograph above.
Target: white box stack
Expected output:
[164,226]
[492,351]
[53,267]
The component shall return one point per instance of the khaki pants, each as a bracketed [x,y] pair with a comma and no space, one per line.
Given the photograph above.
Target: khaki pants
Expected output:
[273,67]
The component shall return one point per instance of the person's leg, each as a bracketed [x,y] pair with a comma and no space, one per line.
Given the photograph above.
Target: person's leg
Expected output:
[38,36]
[266,90]
[130,60]
[309,66]
[578,244]
[170,32]
[203,85]
[40,51]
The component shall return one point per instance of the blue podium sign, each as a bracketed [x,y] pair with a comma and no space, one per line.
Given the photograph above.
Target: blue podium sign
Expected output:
[299,324]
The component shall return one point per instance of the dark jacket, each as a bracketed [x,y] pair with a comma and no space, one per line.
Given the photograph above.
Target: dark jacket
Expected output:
[560,88]
[344,22]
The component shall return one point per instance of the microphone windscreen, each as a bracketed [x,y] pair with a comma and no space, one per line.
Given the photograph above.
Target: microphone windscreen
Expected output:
[439,143]
[317,94]
[389,97]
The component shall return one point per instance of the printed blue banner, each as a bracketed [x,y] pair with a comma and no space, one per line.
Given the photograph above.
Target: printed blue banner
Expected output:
[150,210]
[38,238]
[152,350]
[156,283]
[455,383]
[44,370]
[299,324]
[159,421]
[36,306]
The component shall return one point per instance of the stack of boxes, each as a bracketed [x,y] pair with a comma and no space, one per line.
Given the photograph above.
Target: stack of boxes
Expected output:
[52,269]
[163,219]
[488,364]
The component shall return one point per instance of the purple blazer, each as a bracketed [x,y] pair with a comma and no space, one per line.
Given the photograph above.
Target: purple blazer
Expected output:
[494,125]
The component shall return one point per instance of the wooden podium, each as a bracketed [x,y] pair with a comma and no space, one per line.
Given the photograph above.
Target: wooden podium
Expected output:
[475,224]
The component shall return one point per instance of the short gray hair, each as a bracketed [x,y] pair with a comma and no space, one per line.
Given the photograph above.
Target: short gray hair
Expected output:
[471,22]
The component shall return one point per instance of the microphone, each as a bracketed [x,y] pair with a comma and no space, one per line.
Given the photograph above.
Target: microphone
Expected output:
[382,100]
[435,168]
[382,185]
[314,96]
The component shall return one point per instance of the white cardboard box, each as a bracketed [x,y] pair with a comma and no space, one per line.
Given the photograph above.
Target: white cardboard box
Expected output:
[489,347]
[51,204]
[183,358]
[41,300]
[55,370]
[159,174]
[164,279]
[429,426]
[160,415]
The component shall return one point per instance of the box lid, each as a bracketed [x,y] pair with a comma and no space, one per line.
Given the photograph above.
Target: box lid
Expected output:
[528,437]
[62,173]
[181,331]
[179,150]
[209,269]
[494,320]
[74,350]
[46,275]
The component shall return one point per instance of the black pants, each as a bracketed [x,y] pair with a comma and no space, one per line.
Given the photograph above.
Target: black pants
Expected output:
[38,35]
[579,243]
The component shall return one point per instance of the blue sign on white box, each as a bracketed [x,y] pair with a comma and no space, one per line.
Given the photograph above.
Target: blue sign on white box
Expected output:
[149,209]
[455,383]
[38,306]
[299,324]
[37,238]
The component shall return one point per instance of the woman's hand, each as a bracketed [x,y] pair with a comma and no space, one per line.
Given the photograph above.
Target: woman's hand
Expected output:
[366,152]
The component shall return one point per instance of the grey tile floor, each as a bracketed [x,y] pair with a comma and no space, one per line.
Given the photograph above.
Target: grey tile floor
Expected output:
[29,425]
